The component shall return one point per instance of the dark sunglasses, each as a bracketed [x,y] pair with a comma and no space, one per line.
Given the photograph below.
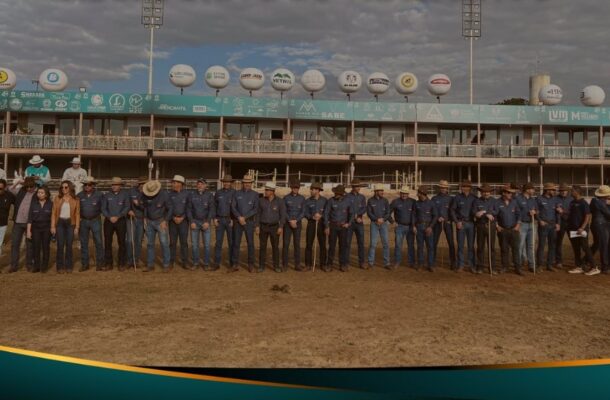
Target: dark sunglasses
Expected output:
[65,187]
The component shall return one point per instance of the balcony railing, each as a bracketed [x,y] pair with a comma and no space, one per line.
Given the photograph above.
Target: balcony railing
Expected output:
[427,150]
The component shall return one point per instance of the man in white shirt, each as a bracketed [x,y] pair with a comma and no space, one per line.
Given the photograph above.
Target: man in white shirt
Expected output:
[75,174]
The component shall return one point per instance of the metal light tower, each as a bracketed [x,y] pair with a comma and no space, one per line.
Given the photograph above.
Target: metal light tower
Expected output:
[471,29]
[152,18]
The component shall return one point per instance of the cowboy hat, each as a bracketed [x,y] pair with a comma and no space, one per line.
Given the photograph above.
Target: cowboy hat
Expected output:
[550,186]
[247,179]
[36,160]
[116,181]
[316,185]
[294,183]
[89,179]
[443,184]
[528,186]
[405,189]
[270,186]
[378,187]
[422,190]
[603,191]
[564,186]
[485,188]
[227,178]
[356,183]
[179,178]
[75,160]
[151,188]
[508,188]
[466,183]
[339,189]
[202,180]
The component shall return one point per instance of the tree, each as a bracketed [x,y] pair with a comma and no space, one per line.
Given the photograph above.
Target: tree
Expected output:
[514,101]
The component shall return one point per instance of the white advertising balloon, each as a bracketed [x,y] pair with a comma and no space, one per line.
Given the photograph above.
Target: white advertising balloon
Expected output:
[406,83]
[217,77]
[181,75]
[53,80]
[349,81]
[439,84]
[592,96]
[8,79]
[282,80]
[252,79]
[378,83]
[313,80]
[551,95]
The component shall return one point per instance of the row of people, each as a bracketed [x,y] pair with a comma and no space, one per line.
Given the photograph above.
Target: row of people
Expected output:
[332,223]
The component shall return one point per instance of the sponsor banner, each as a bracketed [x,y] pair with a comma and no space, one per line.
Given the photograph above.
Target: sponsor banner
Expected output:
[186,105]
[254,107]
[444,113]
[582,116]
[518,115]
[321,109]
[389,112]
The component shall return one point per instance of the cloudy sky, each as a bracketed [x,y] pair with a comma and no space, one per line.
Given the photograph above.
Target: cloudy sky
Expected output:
[101,43]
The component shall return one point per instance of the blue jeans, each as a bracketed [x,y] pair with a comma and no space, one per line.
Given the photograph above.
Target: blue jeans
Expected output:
[358,230]
[178,232]
[238,231]
[19,231]
[206,235]
[152,229]
[376,232]
[137,233]
[526,244]
[95,227]
[295,234]
[223,228]
[547,235]
[338,234]
[65,237]
[428,240]
[601,243]
[466,233]
[448,228]
[402,232]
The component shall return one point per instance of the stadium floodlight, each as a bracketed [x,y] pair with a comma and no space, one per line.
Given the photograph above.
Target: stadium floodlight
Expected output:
[471,29]
[152,18]
[36,82]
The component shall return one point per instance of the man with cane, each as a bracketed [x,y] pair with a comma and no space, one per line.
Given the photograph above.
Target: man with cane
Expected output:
[527,236]
[484,211]
[135,228]
[314,211]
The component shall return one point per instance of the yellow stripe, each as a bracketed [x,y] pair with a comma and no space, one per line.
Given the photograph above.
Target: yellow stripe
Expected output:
[549,364]
[150,371]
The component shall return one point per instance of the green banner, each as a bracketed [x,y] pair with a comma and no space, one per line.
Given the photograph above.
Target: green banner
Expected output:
[584,116]
[321,109]
[518,115]
[254,107]
[391,112]
[444,113]
[187,105]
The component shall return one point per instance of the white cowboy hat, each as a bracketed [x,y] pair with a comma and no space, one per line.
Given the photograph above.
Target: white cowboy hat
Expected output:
[270,186]
[36,160]
[179,178]
[75,160]
[603,191]
[151,188]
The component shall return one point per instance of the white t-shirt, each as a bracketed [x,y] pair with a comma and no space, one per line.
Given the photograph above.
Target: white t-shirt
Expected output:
[65,210]
[76,176]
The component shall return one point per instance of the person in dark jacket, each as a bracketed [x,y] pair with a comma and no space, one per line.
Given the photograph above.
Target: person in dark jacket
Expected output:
[200,212]
[357,225]
[563,200]
[115,206]
[295,212]
[600,226]
[244,208]
[403,209]
[135,223]
[7,200]
[270,221]
[338,216]
[461,215]
[508,221]
[157,214]
[24,196]
[314,213]
[443,201]
[425,219]
[39,229]
[484,212]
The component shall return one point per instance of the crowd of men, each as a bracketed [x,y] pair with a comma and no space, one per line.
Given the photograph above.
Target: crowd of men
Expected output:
[529,230]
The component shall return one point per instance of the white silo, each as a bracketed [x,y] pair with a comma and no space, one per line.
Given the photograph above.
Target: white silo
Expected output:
[537,82]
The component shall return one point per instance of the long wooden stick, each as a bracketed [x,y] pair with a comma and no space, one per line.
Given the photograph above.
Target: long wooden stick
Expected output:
[133,244]
[315,247]
[533,243]
[489,246]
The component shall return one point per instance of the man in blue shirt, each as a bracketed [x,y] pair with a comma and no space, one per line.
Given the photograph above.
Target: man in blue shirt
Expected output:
[357,225]
[548,225]
[508,225]
[223,221]
[157,214]
[90,211]
[115,206]
[295,211]
[442,202]
[178,225]
[563,205]
[600,227]
[270,221]
[314,213]
[338,215]
[244,209]
[425,219]
[200,213]
[461,215]
[528,209]
[135,224]
[579,218]
[484,211]
[378,211]
[403,209]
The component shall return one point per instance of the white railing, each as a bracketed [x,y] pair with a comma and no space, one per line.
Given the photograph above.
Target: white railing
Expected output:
[585,152]
[304,147]
[204,145]
[115,143]
[524,151]
[335,148]
[20,141]
[431,150]
[399,149]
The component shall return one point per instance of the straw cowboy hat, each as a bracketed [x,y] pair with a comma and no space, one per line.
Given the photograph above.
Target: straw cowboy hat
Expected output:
[36,160]
[509,188]
[316,185]
[116,181]
[443,184]
[422,190]
[75,160]
[179,178]
[90,180]
[528,186]
[603,191]
[339,189]
[247,179]
[294,183]
[378,187]
[227,178]
[485,188]
[270,186]
[549,186]
[405,189]
[151,188]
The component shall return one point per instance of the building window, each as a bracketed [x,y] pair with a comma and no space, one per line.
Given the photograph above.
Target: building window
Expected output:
[563,138]
[427,137]
[302,133]
[66,127]
[392,135]
[578,138]
[592,138]
[333,133]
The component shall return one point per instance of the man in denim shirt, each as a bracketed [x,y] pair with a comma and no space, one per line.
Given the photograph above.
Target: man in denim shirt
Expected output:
[200,213]
[508,225]
[244,208]
[425,219]
[338,215]
[528,208]
[442,201]
[461,215]
[484,212]
[378,211]
[178,225]
[403,209]
[223,221]
[563,206]
[357,225]
[295,210]
[314,213]
[548,225]
[157,214]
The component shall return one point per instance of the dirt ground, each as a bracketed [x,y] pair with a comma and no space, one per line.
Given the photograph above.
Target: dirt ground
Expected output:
[360,318]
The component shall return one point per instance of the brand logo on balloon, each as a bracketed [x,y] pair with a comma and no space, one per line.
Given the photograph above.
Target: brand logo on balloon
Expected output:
[53,77]
[407,81]
[3,76]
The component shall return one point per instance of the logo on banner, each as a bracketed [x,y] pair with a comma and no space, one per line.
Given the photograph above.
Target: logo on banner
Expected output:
[117,102]
[97,100]
[434,114]
[15,104]
[308,107]
[61,104]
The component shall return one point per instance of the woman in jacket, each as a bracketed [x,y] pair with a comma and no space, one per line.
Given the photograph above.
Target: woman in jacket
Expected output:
[600,226]
[39,228]
[65,221]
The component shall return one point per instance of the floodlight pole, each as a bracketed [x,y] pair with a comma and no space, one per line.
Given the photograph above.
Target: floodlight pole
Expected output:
[152,18]
[471,29]
[150,60]
[471,78]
